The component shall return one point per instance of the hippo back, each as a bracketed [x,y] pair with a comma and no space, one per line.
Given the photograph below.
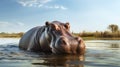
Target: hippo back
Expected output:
[28,40]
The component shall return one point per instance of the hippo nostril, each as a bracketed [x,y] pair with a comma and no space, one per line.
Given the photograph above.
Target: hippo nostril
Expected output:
[63,41]
[78,39]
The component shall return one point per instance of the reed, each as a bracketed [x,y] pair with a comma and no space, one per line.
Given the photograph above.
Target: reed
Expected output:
[11,35]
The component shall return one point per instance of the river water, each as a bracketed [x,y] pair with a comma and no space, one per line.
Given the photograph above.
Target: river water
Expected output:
[99,53]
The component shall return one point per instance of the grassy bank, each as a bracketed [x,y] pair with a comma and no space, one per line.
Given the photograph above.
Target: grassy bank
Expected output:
[98,38]
[11,35]
[106,35]
[85,37]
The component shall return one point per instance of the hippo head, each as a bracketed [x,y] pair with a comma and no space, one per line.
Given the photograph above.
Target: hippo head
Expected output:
[61,40]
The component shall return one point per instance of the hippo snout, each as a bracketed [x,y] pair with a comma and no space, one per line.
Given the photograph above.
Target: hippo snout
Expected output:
[62,45]
[69,46]
[62,41]
[81,46]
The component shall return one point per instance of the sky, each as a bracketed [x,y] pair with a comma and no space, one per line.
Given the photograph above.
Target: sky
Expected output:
[83,15]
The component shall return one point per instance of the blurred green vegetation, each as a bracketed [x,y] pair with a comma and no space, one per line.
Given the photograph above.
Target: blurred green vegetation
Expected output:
[11,35]
[111,32]
[99,35]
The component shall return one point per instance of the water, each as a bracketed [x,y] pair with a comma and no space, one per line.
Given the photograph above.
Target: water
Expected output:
[99,53]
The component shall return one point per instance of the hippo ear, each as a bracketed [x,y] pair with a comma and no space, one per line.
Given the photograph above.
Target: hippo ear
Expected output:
[47,23]
[67,25]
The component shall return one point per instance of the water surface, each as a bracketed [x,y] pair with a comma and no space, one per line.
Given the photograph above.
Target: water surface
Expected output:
[99,53]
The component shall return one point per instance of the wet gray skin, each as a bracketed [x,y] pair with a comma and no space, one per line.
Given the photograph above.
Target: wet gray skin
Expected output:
[54,37]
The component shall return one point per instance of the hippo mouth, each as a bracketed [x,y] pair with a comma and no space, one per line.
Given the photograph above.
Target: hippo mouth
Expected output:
[64,45]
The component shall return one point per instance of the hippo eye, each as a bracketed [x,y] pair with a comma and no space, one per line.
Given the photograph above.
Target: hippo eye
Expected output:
[58,31]
[55,27]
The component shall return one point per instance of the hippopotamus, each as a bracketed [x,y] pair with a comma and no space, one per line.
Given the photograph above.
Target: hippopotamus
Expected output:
[53,37]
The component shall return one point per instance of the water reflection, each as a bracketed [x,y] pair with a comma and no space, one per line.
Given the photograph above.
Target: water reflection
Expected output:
[99,53]
[65,61]
[114,45]
[103,44]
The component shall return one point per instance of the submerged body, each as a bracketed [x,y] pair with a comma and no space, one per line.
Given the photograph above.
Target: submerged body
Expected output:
[54,37]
